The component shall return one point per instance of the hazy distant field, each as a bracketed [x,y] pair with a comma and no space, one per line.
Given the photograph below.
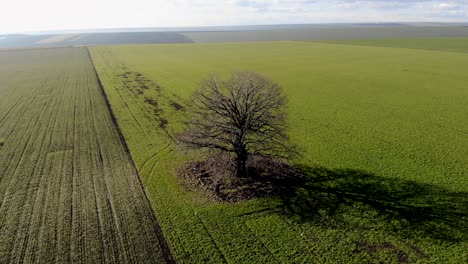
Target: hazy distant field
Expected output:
[68,40]
[68,190]
[442,44]
[238,34]
[337,32]
[383,129]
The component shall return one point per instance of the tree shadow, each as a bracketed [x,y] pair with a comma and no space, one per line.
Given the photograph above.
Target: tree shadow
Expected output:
[315,194]
[339,197]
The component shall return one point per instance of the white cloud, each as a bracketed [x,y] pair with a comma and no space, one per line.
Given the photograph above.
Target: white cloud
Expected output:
[446,6]
[32,15]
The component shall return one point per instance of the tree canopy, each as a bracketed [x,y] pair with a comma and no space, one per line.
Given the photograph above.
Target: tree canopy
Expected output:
[244,115]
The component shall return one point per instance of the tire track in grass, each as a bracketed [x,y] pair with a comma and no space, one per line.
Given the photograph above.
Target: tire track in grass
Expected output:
[87,249]
[73,178]
[18,167]
[267,249]
[17,198]
[133,114]
[35,189]
[51,196]
[213,240]
[57,163]
[16,104]
[166,254]
[14,127]
[135,104]
[23,230]
[99,183]
[154,156]
[188,223]
[114,226]
[63,196]
[38,207]
[22,95]
[96,166]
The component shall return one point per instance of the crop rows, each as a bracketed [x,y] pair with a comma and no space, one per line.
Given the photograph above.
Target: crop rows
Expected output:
[68,189]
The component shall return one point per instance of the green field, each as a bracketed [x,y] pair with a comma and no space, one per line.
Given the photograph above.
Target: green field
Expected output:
[441,44]
[383,132]
[68,189]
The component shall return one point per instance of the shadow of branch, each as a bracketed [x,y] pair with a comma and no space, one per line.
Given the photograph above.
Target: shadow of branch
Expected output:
[317,193]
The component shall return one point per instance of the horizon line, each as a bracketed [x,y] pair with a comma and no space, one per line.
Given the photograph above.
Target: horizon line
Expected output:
[168,28]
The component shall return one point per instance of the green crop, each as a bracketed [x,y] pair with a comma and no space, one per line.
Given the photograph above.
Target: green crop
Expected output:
[442,44]
[383,133]
[68,189]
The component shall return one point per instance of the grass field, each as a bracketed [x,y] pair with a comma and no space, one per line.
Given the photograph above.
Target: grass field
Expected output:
[441,44]
[68,189]
[383,132]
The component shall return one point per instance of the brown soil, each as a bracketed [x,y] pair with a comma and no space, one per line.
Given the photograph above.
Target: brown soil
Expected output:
[216,175]
[163,123]
[177,106]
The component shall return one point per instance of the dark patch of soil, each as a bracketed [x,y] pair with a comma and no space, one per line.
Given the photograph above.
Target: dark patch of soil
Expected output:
[163,123]
[372,249]
[177,106]
[151,101]
[267,177]
[156,110]
[166,252]
[138,81]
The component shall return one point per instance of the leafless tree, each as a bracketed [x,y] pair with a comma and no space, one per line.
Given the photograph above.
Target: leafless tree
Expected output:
[245,115]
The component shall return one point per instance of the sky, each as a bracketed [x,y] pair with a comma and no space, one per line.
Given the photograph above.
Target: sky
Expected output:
[40,15]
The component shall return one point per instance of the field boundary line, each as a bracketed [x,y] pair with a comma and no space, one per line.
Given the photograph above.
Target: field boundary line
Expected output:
[388,47]
[160,236]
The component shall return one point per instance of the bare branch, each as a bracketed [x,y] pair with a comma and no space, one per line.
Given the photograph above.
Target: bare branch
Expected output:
[244,115]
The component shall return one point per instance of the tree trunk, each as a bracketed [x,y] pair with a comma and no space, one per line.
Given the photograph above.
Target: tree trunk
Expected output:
[241,161]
